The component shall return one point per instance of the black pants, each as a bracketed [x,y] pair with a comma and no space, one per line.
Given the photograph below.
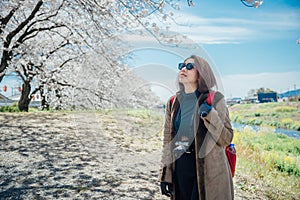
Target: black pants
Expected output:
[186,177]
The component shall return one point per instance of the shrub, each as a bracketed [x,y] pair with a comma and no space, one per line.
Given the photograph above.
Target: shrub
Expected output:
[275,151]
[257,114]
[279,115]
[296,126]
[285,109]
[12,108]
[286,123]
[288,166]
[273,123]
[236,118]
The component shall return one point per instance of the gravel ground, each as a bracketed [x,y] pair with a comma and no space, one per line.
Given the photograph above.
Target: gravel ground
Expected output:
[106,155]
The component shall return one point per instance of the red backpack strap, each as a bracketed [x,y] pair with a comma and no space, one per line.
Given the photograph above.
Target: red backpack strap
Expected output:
[213,97]
[210,97]
[172,98]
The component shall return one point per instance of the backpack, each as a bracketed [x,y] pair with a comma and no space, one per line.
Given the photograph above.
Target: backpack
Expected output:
[230,150]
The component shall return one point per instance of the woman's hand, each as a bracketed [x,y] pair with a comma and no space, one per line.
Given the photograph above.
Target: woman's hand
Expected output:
[204,109]
[166,189]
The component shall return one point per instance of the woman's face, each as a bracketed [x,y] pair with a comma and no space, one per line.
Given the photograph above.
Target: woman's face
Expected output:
[188,76]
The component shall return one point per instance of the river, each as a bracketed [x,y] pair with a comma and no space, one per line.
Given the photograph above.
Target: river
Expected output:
[290,133]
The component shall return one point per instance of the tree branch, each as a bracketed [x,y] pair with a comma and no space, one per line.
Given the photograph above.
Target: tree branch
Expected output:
[35,91]
[27,35]
[20,74]
[47,18]
[7,54]
[61,45]
[24,23]
[6,19]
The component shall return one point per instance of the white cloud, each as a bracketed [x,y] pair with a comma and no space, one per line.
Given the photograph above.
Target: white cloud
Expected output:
[216,34]
[211,31]
[235,30]
[238,85]
[286,20]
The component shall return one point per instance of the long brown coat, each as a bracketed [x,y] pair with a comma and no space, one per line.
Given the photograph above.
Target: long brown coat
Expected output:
[214,133]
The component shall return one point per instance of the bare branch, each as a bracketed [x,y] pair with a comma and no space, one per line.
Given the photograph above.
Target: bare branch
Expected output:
[24,23]
[63,44]
[27,35]
[6,19]
[47,18]
[35,91]
[7,54]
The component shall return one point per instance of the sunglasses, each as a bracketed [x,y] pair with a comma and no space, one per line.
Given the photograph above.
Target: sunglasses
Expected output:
[188,66]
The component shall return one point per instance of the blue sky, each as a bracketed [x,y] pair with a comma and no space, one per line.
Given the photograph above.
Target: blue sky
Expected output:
[249,47]
[269,41]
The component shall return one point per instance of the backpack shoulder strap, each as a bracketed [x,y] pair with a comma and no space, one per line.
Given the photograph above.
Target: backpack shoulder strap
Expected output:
[213,97]
[210,98]
[172,98]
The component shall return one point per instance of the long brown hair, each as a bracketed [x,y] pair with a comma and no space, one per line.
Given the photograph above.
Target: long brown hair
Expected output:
[206,77]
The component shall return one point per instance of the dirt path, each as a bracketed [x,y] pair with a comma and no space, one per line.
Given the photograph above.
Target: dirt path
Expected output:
[81,156]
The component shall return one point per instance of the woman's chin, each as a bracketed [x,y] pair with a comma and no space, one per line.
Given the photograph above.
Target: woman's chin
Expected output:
[184,81]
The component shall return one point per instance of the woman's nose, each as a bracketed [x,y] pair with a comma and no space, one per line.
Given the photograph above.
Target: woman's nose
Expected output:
[183,69]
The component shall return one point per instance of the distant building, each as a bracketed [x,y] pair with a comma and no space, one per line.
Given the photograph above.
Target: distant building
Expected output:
[232,101]
[290,93]
[267,97]
[247,100]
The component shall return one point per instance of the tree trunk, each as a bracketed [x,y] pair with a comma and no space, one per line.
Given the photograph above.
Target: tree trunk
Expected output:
[45,104]
[25,97]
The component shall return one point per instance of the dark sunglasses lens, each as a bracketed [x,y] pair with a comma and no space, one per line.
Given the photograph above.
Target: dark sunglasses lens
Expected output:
[189,66]
[181,65]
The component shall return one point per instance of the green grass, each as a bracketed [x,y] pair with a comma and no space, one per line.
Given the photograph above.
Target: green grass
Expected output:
[273,160]
[9,109]
[268,163]
[279,114]
[14,108]
[270,160]
[144,114]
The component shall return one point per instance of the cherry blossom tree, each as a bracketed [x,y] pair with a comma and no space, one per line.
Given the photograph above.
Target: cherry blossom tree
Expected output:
[45,42]
[42,39]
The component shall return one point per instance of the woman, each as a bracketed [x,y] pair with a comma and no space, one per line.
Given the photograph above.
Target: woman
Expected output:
[194,164]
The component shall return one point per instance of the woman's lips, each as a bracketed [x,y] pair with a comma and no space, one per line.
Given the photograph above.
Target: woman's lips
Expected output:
[183,75]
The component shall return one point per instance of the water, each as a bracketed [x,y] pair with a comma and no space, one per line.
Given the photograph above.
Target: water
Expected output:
[290,133]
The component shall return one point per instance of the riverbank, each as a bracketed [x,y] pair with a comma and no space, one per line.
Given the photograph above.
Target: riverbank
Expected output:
[270,159]
[104,155]
[265,153]
[285,115]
